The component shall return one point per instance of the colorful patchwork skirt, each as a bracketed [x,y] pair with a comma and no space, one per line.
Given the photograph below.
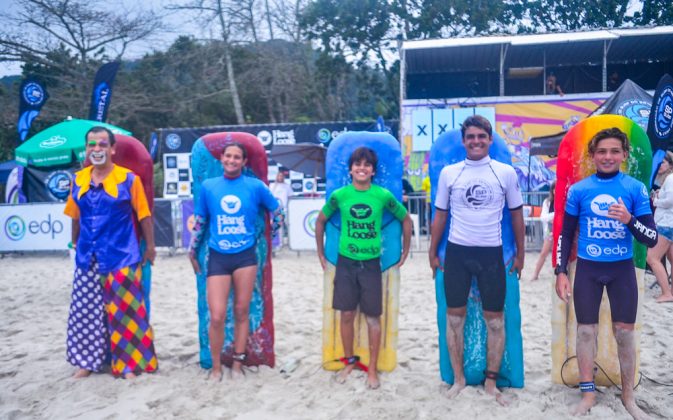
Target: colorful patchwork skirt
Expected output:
[131,336]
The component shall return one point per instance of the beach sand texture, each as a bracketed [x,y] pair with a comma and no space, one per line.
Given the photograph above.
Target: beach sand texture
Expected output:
[35,378]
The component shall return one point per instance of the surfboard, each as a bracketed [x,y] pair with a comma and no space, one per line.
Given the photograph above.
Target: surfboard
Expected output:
[574,164]
[388,175]
[260,347]
[446,150]
[132,154]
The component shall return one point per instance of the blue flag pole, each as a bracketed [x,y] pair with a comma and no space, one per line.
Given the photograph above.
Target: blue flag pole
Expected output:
[32,96]
[101,95]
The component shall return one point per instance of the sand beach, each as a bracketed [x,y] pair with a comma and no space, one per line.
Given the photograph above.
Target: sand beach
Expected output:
[35,378]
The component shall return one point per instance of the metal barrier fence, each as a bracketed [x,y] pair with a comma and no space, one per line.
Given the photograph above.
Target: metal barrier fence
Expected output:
[170,222]
[420,211]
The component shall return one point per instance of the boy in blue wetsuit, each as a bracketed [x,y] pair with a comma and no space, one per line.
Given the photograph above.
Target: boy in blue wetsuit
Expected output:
[611,208]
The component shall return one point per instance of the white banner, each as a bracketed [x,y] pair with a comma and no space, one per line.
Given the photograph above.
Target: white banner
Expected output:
[302,214]
[34,227]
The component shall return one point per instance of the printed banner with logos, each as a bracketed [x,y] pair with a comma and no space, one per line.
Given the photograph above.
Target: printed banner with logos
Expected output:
[302,214]
[175,146]
[42,185]
[660,124]
[181,140]
[101,94]
[33,96]
[34,227]
[516,119]
[177,175]
[187,221]
[164,227]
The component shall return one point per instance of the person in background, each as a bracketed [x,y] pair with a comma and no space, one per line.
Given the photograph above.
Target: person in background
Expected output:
[282,191]
[551,87]
[663,217]
[547,219]
[426,211]
[407,191]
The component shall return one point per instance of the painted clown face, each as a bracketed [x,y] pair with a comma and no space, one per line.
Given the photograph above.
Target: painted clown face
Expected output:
[99,149]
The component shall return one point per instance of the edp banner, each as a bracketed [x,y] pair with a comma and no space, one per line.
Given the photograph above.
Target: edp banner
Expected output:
[34,227]
[302,214]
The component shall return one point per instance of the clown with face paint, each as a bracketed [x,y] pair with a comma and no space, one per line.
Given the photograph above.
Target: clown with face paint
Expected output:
[108,317]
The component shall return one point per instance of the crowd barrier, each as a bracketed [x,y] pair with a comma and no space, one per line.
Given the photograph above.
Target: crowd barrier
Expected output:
[43,226]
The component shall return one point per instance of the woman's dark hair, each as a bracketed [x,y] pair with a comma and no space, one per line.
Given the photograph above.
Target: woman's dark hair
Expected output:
[609,133]
[100,129]
[476,121]
[237,144]
[363,153]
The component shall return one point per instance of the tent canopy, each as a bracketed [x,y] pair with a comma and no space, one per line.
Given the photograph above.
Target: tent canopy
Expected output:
[514,65]
[60,144]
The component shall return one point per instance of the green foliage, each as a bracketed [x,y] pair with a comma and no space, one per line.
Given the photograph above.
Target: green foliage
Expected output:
[655,12]
[351,72]
[570,15]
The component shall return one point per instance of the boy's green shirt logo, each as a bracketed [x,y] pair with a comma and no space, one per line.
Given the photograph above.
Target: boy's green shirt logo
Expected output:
[361,211]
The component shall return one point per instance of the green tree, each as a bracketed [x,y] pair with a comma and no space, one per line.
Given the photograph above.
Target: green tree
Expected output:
[655,12]
[571,15]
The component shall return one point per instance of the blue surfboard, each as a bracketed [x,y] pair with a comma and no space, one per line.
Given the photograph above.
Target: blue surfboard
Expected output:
[446,150]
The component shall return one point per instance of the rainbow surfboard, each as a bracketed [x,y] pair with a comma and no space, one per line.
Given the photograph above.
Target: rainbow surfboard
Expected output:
[574,164]
[205,164]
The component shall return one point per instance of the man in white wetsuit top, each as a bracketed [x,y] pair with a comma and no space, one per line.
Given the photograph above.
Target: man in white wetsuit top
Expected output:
[475,192]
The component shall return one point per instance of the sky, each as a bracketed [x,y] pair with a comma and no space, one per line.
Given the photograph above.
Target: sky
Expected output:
[175,22]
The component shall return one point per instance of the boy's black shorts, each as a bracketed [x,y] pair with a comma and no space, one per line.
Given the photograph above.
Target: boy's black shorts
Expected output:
[486,264]
[358,283]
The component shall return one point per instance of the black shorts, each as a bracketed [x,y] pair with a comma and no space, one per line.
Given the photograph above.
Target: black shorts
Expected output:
[618,277]
[484,263]
[225,264]
[358,283]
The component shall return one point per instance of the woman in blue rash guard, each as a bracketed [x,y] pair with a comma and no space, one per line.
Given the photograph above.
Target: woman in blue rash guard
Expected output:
[229,206]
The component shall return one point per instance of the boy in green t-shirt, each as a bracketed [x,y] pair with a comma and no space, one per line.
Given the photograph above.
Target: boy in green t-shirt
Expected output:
[357,280]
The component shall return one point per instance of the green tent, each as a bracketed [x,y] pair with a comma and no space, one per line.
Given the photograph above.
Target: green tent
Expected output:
[60,144]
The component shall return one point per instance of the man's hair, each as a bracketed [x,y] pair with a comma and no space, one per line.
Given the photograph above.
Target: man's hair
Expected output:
[101,129]
[237,144]
[363,153]
[476,121]
[609,133]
